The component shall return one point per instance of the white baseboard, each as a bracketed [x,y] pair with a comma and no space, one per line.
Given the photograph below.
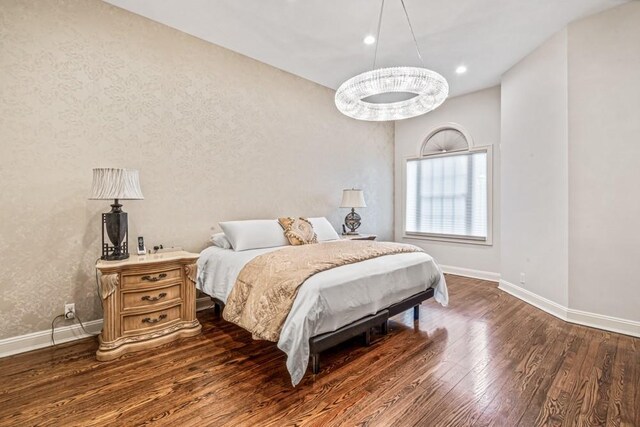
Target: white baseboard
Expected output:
[41,339]
[203,303]
[608,323]
[468,272]
[535,300]
[62,334]
[593,320]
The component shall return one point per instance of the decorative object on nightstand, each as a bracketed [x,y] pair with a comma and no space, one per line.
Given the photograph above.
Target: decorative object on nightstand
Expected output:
[360,236]
[147,301]
[352,198]
[115,184]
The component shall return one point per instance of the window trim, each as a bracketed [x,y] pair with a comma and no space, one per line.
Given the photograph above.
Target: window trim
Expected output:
[447,237]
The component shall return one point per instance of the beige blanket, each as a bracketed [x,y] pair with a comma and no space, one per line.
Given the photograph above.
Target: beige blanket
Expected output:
[266,287]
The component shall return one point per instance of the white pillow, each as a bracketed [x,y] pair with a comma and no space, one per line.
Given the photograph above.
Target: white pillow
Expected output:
[254,234]
[220,240]
[324,230]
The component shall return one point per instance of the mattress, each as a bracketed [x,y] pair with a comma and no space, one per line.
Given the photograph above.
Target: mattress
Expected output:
[330,299]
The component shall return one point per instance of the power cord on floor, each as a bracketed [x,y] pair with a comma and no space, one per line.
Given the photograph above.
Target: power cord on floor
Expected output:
[98,280]
[83,328]
[53,323]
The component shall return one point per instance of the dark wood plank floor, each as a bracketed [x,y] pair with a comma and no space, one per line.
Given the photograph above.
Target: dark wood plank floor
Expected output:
[488,359]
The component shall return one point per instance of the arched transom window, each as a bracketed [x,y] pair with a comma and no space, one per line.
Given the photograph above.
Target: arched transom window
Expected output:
[448,188]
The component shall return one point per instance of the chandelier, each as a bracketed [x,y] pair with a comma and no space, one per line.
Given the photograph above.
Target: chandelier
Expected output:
[428,89]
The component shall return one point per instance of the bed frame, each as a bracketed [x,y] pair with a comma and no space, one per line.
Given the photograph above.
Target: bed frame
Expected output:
[363,326]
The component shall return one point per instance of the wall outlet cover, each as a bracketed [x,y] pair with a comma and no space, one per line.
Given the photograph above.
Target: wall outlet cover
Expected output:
[70,311]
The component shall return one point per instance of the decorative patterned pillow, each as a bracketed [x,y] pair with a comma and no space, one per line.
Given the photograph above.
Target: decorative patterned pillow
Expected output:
[298,231]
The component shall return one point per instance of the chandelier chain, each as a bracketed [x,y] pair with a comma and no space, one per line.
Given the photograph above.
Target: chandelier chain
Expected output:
[412,33]
[375,54]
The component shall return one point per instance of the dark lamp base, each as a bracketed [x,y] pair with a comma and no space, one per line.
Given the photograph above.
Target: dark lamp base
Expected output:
[113,257]
[352,221]
[115,227]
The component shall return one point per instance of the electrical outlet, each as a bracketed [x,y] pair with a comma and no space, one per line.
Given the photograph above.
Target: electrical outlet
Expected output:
[522,278]
[70,311]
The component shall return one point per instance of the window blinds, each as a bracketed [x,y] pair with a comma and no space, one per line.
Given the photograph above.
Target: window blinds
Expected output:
[447,196]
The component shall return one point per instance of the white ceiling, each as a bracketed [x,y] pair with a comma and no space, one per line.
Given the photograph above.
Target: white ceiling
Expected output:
[321,40]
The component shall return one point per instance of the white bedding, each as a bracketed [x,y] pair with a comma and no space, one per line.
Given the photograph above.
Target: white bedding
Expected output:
[330,299]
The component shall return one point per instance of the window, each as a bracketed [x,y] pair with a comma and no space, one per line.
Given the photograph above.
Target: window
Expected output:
[447,190]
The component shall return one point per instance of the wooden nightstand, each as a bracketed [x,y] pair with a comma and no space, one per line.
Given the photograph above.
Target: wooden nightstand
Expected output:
[147,300]
[359,236]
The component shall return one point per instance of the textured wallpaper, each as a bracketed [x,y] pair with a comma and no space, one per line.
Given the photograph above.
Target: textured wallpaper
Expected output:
[215,135]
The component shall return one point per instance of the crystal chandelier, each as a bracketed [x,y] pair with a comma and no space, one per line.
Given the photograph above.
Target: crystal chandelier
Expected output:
[428,89]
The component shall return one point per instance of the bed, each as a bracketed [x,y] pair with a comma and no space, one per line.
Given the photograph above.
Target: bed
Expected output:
[333,304]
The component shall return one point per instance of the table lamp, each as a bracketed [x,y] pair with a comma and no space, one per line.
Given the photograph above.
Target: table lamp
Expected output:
[352,199]
[115,184]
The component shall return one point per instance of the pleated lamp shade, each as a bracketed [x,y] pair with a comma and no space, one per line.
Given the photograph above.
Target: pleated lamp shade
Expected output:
[112,183]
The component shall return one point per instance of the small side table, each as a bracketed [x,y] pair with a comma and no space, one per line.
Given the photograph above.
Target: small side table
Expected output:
[147,300]
[359,236]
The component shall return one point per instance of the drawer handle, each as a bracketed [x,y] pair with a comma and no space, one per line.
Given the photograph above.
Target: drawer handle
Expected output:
[150,298]
[150,320]
[154,278]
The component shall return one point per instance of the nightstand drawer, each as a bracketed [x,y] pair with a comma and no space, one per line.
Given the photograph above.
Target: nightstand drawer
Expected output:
[151,319]
[150,279]
[146,298]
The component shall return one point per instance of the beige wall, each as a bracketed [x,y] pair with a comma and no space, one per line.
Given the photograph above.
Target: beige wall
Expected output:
[479,114]
[604,165]
[534,173]
[215,136]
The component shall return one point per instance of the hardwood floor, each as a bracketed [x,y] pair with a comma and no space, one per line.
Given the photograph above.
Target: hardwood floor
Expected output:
[487,359]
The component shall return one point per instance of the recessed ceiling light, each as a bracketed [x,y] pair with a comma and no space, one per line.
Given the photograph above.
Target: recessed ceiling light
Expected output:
[369,40]
[461,69]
